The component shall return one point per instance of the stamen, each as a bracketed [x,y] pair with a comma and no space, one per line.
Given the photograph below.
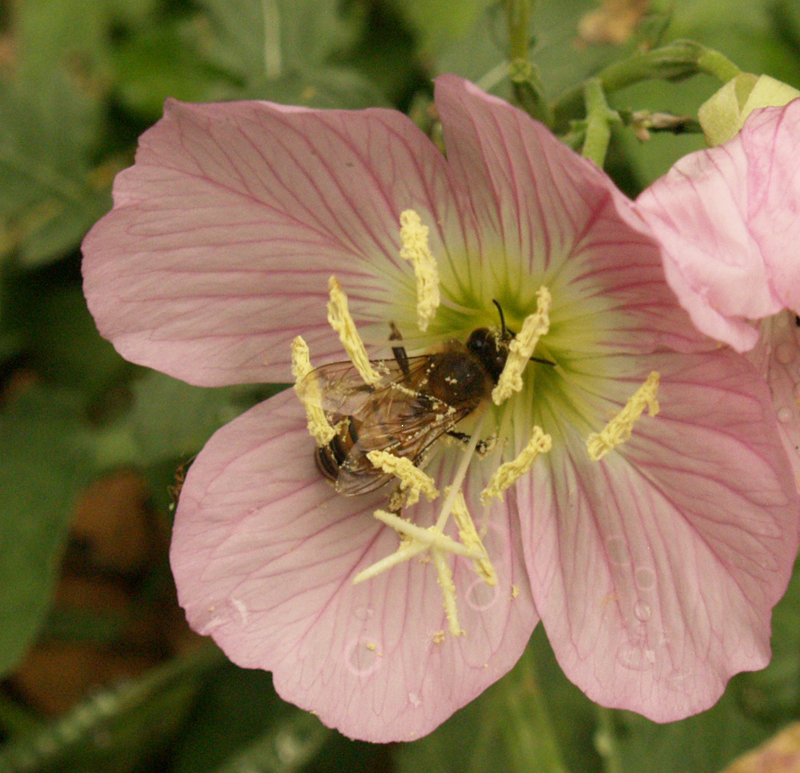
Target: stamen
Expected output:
[405,552]
[510,472]
[307,389]
[431,537]
[470,538]
[412,479]
[341,321]
[618,430]
[445,580]
[521,348]
[414,237]
[416,540]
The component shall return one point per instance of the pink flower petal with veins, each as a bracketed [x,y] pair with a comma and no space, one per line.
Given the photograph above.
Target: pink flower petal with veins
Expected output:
[264,552]
[542,209]
[218,253]
[777,356]
[727,219]
[657,582]
[224,233]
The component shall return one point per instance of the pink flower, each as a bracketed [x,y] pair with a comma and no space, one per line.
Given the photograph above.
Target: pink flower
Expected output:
[729,222]
[654,568]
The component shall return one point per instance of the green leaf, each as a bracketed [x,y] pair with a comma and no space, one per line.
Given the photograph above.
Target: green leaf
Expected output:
[172,419]
[62,338]
[699,744]
[162,60]
[235,708]
[510,727]
[117,728]
[254,39]
[442,22]
[48,195]
[45,464]
[774,693]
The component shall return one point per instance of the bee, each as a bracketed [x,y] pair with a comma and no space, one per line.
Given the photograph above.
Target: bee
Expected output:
[417,401]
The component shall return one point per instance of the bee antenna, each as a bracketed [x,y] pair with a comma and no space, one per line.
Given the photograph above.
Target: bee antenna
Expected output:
[502,318]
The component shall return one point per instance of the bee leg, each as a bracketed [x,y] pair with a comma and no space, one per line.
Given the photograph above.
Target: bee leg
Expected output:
[399,351]
[481,448]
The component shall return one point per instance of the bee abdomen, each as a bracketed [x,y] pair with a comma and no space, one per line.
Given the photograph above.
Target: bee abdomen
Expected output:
[331,457]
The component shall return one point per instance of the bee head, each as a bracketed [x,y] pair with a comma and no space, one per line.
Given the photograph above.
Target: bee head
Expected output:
[491,348]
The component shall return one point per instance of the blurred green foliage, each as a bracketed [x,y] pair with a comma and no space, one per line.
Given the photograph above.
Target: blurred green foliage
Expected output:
[79,80]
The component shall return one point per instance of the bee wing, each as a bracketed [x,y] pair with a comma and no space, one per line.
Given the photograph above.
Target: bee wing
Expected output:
[341,387]
[406,426]
[344,392]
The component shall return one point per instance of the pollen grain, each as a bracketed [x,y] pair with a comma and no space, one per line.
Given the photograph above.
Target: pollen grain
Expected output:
[341,321]
[510,472]
[619,429]
[414,237]
[411,478]
[520,350]
[308,391]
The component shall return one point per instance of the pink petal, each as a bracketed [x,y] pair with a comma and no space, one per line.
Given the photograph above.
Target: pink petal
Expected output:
[728,221]
[777,358]
[549,216]
[655,570]
[263,553]
[224,233]
[770,139]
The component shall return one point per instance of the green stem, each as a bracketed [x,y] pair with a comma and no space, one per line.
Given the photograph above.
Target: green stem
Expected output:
[518,15]
[605,742]
[529,734]
[716,64]
[598,119]
[675,61]
[525,81]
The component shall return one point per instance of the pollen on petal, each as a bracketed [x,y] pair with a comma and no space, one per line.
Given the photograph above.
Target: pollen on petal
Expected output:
[471,539]
[445,580]
[341,321]
[414,237]
[510,472]
[618,430]
[520,350]
[307,389]
[411,478]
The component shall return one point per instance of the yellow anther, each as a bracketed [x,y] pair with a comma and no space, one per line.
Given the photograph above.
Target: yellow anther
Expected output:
[618,430]
[411,478]
[414,237]
[520,350]
[341,321]
[510,472]
[471,539]
[308,391]
[445,580]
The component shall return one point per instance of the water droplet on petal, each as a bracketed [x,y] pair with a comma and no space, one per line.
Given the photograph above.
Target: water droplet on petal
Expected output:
[414,700]
[644,577]
[363,613]
[481,596]
[642,610]
[785,415]
[617,550]
[636,658]
[241,610]
[362,656]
